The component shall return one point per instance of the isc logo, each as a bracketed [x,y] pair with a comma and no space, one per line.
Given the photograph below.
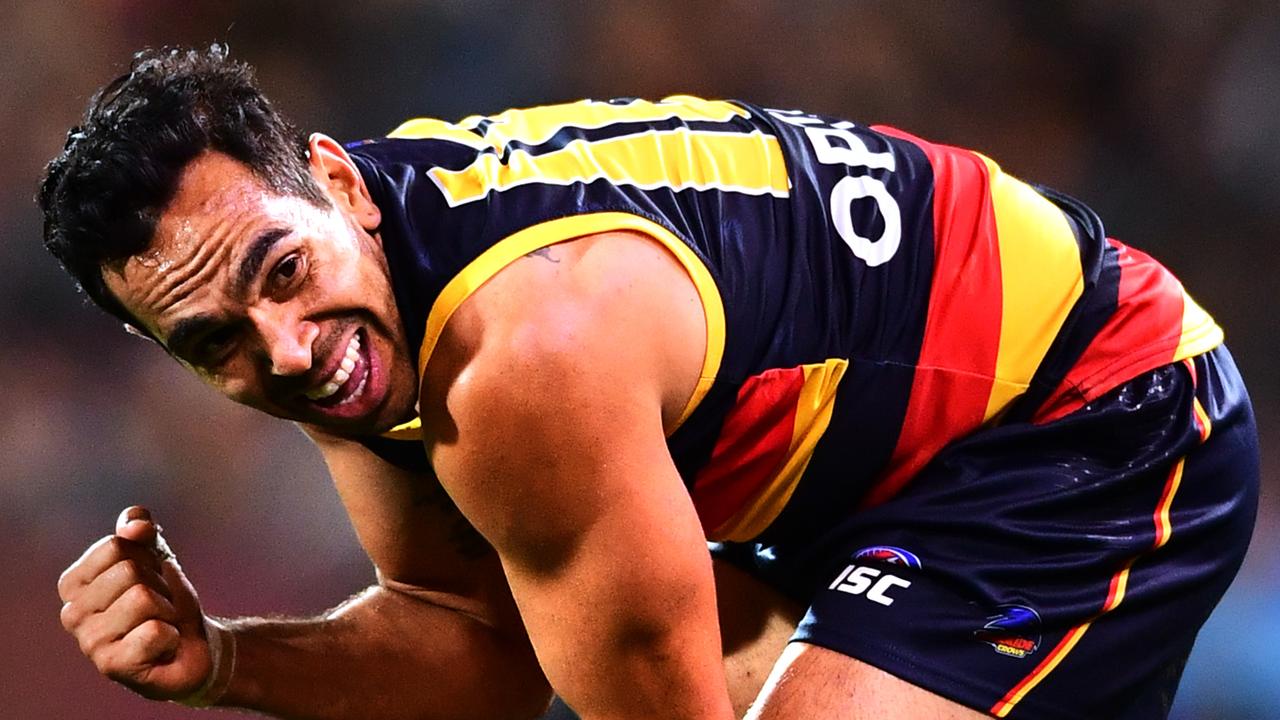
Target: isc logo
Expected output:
[860,579]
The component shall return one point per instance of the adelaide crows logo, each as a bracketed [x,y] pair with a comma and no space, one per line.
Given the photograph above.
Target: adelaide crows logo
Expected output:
[1014,632]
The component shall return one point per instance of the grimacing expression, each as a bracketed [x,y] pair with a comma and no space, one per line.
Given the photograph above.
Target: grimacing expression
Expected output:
[281,305]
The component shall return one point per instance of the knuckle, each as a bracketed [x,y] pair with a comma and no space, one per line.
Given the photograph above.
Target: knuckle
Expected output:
[127,571]
[100,662]
[65,583]
[139,595]
[70,616]
[151,632]
[147,642]
[144,601]
[73,578]
[138,639]
[116,545]
[94,647]
[107,660]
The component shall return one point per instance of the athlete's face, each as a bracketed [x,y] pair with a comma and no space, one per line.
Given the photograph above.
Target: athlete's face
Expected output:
[279,304]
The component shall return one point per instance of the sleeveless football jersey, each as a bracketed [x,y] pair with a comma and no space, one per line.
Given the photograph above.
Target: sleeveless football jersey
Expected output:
[869,296]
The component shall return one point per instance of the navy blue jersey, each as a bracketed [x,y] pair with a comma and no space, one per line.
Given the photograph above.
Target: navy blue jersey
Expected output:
[869,296]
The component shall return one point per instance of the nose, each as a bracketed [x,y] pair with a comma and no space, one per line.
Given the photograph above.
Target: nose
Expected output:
[286,339]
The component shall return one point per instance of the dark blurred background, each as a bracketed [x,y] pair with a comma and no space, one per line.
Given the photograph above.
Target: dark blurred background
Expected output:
[1164,116]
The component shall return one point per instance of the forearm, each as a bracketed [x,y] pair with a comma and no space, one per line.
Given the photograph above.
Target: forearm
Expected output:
[634,665]
[384,654]
[631,640]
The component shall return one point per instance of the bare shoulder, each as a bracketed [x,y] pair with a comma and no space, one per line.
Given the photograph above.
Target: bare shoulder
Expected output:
[547,403]
[618,305]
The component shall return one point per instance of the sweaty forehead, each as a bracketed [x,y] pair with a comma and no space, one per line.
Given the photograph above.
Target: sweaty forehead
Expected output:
[218,205]
[213,189]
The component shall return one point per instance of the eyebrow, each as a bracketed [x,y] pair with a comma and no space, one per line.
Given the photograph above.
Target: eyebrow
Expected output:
[186,329]
[251,263]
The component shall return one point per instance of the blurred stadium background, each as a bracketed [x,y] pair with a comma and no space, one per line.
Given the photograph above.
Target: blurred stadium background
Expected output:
[1164,116]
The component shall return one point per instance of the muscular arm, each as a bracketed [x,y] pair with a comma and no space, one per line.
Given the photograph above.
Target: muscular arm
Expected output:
[437,638]
[547,402]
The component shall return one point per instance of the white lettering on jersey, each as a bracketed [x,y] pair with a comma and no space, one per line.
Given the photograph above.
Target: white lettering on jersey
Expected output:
[862,580]
[852,152]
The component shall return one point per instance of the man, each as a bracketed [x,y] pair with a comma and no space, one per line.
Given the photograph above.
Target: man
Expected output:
[1002,460]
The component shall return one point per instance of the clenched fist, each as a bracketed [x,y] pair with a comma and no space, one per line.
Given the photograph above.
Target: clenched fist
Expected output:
[135,615]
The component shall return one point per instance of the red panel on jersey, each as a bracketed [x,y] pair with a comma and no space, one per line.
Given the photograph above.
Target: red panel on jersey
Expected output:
[962,331]
[1143,333]
[753,444]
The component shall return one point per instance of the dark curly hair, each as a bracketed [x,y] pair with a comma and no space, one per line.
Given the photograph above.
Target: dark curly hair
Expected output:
[103,194]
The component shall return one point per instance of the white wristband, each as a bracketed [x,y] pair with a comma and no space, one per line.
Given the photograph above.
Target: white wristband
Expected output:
[222,654]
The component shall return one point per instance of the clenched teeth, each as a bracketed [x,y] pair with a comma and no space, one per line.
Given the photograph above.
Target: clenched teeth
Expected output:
[341,375]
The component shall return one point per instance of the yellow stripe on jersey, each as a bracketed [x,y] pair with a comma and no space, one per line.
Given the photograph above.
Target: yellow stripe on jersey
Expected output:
[1164,527]
[536,125]
[1040,276]
[736,162]
[1202,417]
[813,413]
[1200,333]
[512,247]
[1119,581]
[411,430]
[1048,665]
[1115,595]
[430,128]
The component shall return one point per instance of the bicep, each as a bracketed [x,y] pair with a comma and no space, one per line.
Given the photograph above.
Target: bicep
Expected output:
[555,429]
[555,385]
[558,463]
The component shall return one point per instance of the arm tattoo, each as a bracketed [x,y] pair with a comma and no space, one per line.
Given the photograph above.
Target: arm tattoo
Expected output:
[545,254]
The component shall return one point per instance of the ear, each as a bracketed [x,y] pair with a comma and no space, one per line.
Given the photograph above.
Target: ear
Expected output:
[335,172]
